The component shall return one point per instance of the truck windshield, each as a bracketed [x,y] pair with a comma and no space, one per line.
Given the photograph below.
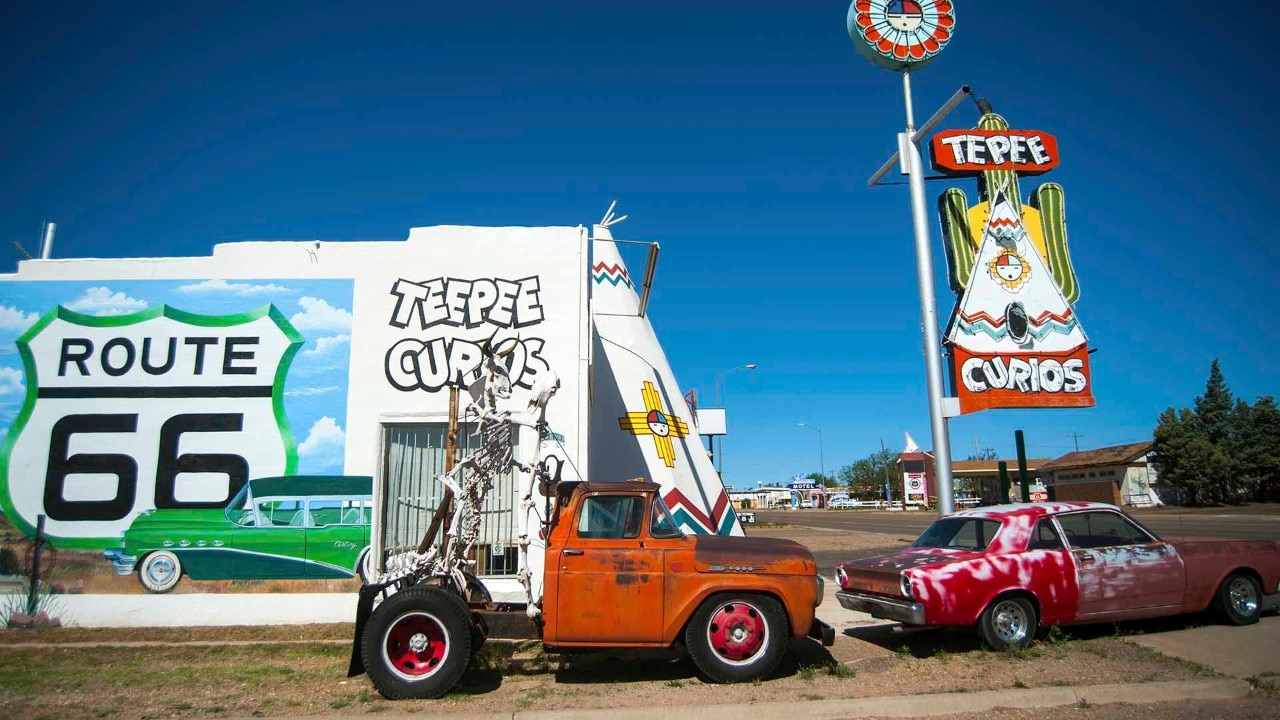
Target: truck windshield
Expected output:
[661,524]
[958,533]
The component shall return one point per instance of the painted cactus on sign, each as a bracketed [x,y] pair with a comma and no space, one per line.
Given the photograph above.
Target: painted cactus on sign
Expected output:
[1045,220]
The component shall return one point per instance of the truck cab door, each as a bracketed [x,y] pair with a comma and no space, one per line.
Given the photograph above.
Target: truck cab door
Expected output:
[609,575]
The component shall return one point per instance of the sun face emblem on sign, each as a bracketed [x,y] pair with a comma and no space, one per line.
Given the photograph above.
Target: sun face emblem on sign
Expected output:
[662,426]
[901,34]
[1010,270]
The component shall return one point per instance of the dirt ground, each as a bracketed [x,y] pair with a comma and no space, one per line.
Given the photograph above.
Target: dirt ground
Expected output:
[286,671]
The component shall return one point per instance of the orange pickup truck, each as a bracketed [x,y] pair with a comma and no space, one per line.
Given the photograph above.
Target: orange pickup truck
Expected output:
[619,574]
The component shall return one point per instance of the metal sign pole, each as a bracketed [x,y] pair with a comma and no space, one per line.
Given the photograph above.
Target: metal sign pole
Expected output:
[912,166]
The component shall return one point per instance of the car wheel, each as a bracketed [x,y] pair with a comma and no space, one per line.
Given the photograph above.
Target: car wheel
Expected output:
[417,643]
[1238,599]
[737,637]
[160,572]
[1008,622]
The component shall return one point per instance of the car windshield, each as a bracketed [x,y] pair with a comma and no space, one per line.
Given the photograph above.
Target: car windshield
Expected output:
[958,533]
[238,510]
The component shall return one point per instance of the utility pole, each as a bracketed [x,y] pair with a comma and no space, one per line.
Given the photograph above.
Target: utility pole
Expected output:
[1076,437]
[888,494]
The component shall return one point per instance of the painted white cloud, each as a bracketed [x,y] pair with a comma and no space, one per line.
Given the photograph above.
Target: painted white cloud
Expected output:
[101,301]
[310,391]
[319,315]
[10,381]
[11,318]
[329,346]
[234,288]
[322,450]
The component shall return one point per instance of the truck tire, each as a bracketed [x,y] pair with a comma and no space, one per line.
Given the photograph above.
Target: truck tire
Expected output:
[1238,600]
[1008,622]
[737,637]
[159,572]
[417,643]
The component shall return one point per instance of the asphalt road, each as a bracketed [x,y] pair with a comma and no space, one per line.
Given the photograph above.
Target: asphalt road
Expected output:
[1254,522]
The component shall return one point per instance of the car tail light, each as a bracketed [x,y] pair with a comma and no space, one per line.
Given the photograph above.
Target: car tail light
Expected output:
[904,583]
[842,578]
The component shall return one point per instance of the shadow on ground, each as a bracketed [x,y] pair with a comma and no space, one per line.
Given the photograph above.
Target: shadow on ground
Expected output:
[623,666]
[930,642]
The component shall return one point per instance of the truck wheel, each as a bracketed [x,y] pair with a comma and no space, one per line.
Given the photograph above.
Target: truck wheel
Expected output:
[160,572]
[1237,600]
[417,643]
[1008,623]
[737,637]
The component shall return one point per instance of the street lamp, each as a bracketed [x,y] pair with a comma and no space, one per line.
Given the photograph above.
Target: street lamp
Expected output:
[721,376]
[719,404]
[821,462]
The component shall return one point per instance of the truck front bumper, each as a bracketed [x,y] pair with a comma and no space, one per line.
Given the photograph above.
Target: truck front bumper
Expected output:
[822,632]
[879,606]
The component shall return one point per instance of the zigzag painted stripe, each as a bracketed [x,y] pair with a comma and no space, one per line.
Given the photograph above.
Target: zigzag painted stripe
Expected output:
[688,513]
[613,274]
[1039,333]
[982,316]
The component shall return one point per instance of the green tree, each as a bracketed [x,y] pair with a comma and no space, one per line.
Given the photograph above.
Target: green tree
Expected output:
[1256,446]
[823,480]
[1187,460]
[1213,409]
[865,477]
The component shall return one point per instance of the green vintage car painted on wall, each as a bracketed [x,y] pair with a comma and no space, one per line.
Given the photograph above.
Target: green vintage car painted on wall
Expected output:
[299,527]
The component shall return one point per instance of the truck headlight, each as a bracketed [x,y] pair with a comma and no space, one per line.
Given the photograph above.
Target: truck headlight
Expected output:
[822,590]
[904,584]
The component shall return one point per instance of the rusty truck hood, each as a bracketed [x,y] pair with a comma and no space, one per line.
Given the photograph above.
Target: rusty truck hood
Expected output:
[721,553]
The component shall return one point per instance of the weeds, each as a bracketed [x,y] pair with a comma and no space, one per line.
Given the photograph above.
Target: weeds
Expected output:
[339,703]
[840,670]
[942,655]
[1082,703]
[810,697]
[903,652]
[675,683]
[1019,685]
[808,672]
[1265,684]
[1056,636]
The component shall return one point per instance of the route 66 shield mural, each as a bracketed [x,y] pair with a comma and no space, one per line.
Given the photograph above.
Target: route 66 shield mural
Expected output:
[158,407]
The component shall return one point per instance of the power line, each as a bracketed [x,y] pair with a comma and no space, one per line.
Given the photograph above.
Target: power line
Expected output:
[1076,437]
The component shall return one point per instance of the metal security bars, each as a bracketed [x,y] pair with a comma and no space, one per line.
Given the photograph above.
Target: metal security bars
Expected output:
[414,459]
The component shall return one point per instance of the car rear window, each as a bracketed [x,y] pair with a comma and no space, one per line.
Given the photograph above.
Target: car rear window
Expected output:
[959,534]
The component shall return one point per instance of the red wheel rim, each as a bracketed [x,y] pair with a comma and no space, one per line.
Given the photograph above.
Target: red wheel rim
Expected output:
[737,632]
[416,645]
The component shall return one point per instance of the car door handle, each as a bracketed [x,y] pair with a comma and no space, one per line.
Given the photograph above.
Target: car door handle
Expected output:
[571,552]
[1087,559]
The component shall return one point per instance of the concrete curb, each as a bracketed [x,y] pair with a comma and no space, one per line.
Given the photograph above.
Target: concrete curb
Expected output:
[901,706]
[905,706]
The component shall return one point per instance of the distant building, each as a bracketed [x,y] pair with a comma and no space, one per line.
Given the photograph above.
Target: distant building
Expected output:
[1120,475]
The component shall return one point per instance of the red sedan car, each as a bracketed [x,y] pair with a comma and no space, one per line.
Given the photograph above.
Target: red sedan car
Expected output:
[1011,569]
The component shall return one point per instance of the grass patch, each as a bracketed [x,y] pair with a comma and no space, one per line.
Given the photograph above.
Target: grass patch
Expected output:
[1019,685]
[675,683]
[840,670]
[810,697]
[942,655]
[1265,684]
[339,703]
[1056,637]
[903,651]
[808,672]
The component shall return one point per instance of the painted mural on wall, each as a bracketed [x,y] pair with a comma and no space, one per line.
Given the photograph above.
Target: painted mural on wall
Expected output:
[165,397]
[1014,337]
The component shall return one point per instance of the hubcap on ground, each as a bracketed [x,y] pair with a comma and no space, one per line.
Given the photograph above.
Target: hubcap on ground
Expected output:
[1010,622]
[416,644]
[1242,596]
[737,632]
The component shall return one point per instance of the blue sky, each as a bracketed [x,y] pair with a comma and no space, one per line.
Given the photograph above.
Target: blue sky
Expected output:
[739,135]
